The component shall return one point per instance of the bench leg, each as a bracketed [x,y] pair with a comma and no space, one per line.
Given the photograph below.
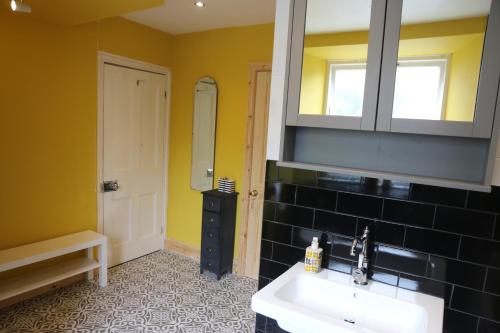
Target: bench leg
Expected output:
[90,255]
[103,262]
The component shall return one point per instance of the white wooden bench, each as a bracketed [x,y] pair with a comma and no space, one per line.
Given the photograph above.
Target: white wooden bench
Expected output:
[31,253]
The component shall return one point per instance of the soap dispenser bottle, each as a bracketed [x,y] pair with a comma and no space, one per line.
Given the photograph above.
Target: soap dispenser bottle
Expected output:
[314,254]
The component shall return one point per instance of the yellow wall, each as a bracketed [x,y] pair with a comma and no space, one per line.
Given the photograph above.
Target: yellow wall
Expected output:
[462,40]
[47,129]
[463,80]
[224,55]
[48,105]
[313,85]
[123,37]
[410,31]
[48,117]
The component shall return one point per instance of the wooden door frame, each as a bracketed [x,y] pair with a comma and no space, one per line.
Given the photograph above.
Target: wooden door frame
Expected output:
[104,58]
[245,202]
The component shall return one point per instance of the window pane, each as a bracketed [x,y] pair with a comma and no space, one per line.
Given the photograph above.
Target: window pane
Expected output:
[451,28]
[346,96]
[417,93]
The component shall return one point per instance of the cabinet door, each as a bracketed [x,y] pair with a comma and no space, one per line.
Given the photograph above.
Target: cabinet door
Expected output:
[335,56]
[439,73]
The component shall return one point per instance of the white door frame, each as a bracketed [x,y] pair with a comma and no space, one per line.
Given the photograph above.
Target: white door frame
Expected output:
[108,58]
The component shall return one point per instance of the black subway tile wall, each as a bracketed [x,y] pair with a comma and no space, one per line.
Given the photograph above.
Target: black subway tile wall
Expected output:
[439,241]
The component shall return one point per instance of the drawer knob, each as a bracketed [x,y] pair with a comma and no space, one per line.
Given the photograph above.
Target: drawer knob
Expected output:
[209,264]
[210,250]
[211,235]
[212,219]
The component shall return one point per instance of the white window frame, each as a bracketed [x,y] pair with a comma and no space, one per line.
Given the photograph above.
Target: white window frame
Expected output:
[333,66]
[441,61]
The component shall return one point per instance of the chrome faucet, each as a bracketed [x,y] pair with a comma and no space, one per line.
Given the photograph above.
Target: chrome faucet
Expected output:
[360,274]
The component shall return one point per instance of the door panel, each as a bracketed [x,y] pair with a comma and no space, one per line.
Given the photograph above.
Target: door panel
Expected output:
[134,104]
[148,215]
[258,173]
[152,99]
[117,229]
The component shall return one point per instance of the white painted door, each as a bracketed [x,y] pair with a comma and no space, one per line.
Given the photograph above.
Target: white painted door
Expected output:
[133,155]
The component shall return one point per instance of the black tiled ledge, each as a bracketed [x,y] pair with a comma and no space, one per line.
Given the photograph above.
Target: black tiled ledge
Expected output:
[438,241]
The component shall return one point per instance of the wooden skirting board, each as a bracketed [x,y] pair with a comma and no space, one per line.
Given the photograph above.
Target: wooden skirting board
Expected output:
[187,250]
[182,248]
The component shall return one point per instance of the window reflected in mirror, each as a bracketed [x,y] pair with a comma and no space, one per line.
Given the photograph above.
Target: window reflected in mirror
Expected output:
[345,91]
[334,58]
[439,59]
[420,86]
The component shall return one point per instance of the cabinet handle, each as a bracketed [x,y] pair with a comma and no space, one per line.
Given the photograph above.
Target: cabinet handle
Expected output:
[212,204]
[211,235]
[212,219]
[210,250]
[209,264]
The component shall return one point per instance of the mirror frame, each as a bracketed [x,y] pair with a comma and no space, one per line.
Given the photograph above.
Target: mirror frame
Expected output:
[482,125]
[373,66]
[379,86]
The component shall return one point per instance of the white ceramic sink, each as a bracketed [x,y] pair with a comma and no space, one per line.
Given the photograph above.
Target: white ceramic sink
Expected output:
[329,301]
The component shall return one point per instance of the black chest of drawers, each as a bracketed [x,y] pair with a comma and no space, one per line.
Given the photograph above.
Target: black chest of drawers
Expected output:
[217,232]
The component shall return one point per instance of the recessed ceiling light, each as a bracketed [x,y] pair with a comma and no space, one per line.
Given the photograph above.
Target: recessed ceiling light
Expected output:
[199,3]
[20,6]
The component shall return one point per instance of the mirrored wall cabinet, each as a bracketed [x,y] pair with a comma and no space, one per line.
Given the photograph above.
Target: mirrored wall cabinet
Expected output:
[395,89]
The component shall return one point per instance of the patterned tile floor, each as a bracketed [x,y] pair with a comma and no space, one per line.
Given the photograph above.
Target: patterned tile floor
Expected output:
[161,292]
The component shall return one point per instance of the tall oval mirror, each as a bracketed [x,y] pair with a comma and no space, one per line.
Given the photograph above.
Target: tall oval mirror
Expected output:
[204,123]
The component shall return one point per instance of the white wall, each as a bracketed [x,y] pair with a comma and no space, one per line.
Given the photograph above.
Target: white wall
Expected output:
[278,79]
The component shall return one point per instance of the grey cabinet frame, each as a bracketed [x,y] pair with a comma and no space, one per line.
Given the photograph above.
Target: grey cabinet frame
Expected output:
[373,67]
[489,79]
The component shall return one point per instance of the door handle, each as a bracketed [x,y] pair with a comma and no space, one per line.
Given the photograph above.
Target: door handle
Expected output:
[210,172]
[110,186]
[253,193]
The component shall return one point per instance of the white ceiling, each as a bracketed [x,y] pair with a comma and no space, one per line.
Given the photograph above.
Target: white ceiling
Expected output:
[182,16]
[325,16]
